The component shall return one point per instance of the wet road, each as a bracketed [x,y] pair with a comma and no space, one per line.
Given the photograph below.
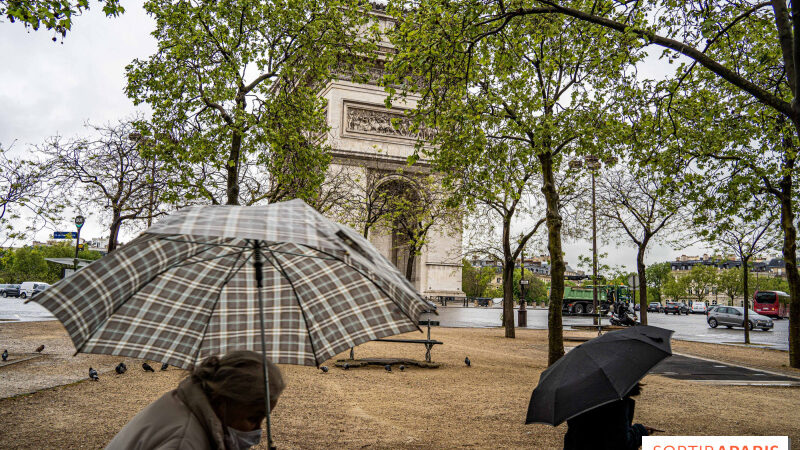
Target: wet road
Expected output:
[691,328]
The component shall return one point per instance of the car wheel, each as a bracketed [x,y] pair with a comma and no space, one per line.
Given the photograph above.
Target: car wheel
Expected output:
[712,323]
[579,309]
[4,294]
[750,325]
[23,295]
[589,309]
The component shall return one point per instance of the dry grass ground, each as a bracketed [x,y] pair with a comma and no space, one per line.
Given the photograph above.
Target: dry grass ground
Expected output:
[453,406]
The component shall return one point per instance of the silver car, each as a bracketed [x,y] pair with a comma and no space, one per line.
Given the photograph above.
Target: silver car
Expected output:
[733,316]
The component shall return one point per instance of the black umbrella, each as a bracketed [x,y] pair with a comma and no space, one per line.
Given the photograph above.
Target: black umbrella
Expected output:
[597,372]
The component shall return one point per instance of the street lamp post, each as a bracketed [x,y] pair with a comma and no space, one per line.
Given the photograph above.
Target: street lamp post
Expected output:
[522,314]
[79,220]
[593,164]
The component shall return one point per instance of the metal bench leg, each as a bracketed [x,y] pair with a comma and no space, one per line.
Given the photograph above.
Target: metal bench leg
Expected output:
[428,348]
[351,353]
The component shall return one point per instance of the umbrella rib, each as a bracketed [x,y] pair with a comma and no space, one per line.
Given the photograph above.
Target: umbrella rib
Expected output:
[231,274]
[206,260]
[391,299]
[91,335]
[297,297]
[182,241]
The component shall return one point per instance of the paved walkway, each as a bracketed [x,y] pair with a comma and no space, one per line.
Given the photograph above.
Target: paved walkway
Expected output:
[701,370]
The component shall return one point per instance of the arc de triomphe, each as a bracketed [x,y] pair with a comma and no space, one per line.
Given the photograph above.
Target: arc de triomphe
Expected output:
[367,146]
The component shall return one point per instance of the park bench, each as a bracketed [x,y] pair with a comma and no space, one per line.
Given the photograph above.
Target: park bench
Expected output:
[428,343]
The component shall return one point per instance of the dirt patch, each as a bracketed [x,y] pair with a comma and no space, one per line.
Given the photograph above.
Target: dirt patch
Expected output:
[452,406]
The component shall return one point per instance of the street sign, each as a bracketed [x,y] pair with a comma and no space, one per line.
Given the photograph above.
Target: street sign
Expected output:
[523,282]
[65,235]
[79,221]
[633,281]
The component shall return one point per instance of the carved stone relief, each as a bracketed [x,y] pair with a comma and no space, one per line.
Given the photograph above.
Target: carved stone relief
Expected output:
[383,123]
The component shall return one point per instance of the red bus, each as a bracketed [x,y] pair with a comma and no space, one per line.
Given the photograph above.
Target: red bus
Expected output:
[771,303]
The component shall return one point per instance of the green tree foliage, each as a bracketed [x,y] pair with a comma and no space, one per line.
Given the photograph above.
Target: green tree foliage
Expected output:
[535,290]
[475,280]
[700,281]
[675,289]
[733,106]
[657,276]
[55,15]
[510,102]
[729,282]
[234,92]
[28,263]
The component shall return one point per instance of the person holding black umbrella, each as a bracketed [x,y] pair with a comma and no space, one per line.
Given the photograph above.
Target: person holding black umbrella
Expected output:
[607,427]
[591,388]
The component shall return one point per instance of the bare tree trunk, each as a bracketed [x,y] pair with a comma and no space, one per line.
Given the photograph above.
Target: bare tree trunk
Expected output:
[233,169]
[555,330]
[508,298]
[508,280]
[640,268]
[412,251]
[790,257]
[113,234]
[745,303]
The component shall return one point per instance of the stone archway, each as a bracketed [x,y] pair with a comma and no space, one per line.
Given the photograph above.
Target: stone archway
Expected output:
[400,223]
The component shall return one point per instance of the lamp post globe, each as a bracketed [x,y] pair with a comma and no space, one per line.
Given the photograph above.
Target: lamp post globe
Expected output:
[79,221]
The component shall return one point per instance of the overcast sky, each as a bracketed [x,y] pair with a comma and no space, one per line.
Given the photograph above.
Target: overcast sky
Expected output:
[49,88]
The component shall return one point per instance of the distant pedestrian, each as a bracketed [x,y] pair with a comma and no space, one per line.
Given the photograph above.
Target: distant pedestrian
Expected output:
[607,427]
[220,406]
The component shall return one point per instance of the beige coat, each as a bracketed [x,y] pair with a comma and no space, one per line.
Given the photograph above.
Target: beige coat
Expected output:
[180,419]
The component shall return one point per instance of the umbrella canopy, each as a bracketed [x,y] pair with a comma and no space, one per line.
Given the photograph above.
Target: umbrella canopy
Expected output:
[186,289]
[597,372]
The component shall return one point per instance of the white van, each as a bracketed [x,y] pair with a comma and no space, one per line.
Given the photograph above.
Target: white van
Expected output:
[27,287]
[699,307]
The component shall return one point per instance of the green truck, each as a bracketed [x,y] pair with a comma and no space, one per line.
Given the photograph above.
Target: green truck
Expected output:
[579,300]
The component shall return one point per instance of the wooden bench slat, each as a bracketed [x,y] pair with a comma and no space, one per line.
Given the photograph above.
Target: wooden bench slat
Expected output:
[411,341]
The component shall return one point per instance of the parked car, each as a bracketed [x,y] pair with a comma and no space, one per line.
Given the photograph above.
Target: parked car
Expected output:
[39,288]
[9,290]
[733,316]
[711,308]
[27,287]
[676,308]
[699,308]
[654,307]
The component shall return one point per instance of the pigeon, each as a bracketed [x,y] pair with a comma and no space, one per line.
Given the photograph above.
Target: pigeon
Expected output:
[5,355]
[93,375]
[39,350]
[121,368]
[324,369]
[467,362]
[164,366]
[346,366]
[402,367]
[147,367]
[388,367]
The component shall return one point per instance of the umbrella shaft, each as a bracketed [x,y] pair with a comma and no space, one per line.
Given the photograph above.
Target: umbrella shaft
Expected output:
[258,267]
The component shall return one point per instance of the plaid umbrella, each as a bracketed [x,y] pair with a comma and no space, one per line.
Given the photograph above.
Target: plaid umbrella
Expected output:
[187,288]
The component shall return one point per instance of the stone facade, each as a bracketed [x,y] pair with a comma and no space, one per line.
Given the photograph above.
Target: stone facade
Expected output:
[372,142]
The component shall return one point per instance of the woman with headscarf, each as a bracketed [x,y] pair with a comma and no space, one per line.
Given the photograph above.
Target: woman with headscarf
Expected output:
[220,406]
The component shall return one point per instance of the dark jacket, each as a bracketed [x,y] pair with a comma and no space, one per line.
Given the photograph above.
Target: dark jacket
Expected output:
[180,419]
[607,427]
